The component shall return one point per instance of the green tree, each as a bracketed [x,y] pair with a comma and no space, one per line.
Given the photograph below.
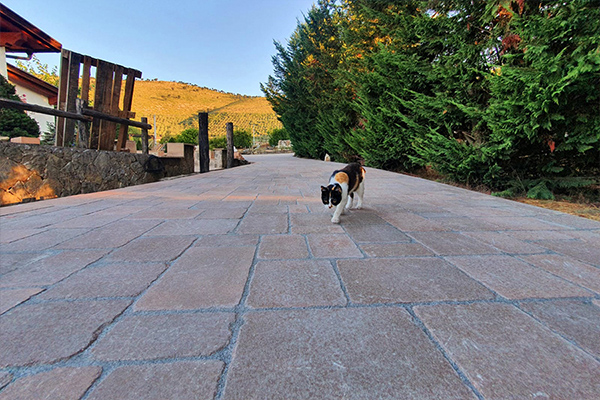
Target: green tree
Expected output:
[36,68]
[276,135]
[49,135]
[544,112]
[242,138]
[14,123]
[302,77]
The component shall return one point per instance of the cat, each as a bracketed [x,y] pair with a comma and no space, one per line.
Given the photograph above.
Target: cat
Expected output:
[342,185]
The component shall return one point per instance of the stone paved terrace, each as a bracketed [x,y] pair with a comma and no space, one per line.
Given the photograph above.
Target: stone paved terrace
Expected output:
[235,285]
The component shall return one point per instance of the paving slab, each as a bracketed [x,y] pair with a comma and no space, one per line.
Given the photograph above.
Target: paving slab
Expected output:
[283,247]
[236,285]
[326,245]
[12,297]
[160,249]
[507,354]
[59,383]
[576,320]
[176,381]
[147,337]
[408,280]
[51,269]
[295,283]
[202,278]
[515,279]
[108,280]
[342,353]
[566,267]
[49,332]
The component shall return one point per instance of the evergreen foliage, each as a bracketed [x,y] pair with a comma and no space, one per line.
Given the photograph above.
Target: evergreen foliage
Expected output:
[501,93]
[14,123]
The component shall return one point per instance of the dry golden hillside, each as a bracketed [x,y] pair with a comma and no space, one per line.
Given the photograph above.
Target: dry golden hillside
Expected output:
[176,106]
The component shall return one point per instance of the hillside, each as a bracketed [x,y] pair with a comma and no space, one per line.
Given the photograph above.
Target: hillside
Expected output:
[176,106]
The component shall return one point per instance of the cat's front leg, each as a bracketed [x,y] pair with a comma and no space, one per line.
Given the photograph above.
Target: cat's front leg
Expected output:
[339,209]
[336,215]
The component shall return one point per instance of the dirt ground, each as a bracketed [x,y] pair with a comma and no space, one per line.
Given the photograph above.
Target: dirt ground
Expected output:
[583,210]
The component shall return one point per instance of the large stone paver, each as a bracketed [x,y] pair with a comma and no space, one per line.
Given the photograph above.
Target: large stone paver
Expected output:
[507,354]
[49,332]
[140,337]
[236,285]
[295,283]
[408,280]
[60,383]
[176,381]
[202,278]
[109,280]
[339,354]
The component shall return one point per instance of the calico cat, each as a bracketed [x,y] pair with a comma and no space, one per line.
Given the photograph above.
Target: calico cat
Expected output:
[343,184]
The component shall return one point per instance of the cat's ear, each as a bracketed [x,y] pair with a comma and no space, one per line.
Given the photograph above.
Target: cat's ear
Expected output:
[323,189]
[337,188]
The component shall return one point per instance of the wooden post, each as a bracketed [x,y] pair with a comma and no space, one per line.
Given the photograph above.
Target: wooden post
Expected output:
[144,137]
[72,91]
[83,138]
[62,96]
[229,126]
[203,142]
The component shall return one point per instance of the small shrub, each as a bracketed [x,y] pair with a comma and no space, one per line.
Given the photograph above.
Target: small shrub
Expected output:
[276,135]
[219,142]
[242,138]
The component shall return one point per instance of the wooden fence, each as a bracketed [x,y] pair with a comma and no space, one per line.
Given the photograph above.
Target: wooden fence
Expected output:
[108,100]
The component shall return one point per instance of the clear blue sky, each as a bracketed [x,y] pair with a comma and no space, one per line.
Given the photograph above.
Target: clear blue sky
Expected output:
[220,44]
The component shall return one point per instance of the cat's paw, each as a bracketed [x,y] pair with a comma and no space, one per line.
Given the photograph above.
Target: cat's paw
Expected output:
[358,207]
[335,220]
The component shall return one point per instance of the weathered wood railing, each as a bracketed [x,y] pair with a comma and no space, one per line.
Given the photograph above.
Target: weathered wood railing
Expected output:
[83,114]
[73,97]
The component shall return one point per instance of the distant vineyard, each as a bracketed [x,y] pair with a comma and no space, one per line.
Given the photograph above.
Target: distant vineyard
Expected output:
[176,106]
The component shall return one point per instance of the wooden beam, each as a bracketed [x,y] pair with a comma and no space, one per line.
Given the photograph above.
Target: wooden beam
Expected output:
[42,110]
[88,115]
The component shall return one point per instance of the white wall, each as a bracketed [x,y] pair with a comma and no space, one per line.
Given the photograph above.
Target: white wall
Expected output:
[3,63]
[30,97]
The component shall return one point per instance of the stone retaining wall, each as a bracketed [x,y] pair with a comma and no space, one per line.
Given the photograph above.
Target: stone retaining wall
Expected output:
[32,172]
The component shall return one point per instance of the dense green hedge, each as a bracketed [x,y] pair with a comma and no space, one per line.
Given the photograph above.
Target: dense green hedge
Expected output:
[498,93]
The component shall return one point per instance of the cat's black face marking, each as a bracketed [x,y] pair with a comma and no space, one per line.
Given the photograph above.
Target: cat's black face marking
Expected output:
[333,193]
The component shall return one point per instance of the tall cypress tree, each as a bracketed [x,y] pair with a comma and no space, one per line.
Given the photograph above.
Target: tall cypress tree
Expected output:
[299,89]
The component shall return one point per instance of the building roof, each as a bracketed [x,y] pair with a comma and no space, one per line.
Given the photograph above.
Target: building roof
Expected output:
[19,77]
[20,36]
